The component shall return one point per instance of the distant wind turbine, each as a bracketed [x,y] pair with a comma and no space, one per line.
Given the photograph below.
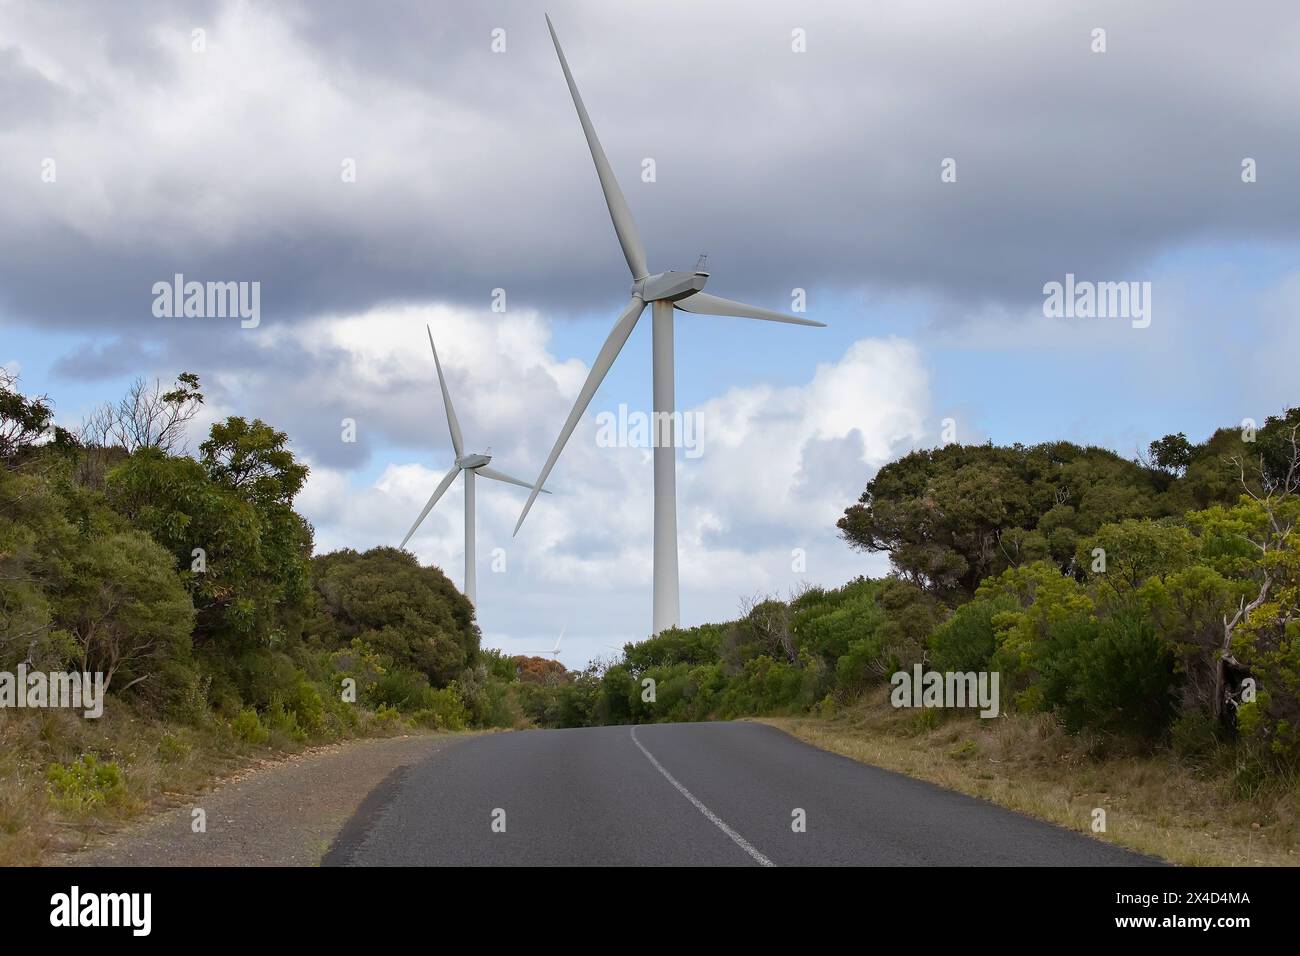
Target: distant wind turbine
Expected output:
[469,466]
[555,651]
[665,291]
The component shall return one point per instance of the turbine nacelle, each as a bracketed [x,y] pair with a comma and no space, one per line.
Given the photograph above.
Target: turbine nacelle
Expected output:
[669,286]
[472,461]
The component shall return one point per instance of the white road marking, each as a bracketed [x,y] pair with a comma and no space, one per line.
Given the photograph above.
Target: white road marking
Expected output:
[713,818]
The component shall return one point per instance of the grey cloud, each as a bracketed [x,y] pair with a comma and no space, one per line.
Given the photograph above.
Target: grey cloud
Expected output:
[818,170]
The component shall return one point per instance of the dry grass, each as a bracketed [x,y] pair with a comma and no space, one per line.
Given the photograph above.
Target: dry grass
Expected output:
[1154,803]
[162,764]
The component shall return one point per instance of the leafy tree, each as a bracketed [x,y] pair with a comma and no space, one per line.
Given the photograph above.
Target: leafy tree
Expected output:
[414,615]
[1172,454]
[1189,607]
[23,421]
[950,517]
[214,537]
[1130,552]
[254,460]
[126,608]
[36,544]
[614,706]
[1256,544]
[693,645]
[1278,451]
[500,666]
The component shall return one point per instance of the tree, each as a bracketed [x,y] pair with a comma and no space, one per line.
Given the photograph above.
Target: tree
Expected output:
[229,521]
[146,417]
[126,608]
[1130,552]
[1277,450]
[23,421]
[950,517]
[414,615]
[36,542]
[1173,453]
[1257,541]
[253,459]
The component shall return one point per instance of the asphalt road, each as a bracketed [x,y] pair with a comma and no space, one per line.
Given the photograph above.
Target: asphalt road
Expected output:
[713,794]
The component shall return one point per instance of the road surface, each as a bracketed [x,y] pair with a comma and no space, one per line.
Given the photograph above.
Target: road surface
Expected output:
[713,794]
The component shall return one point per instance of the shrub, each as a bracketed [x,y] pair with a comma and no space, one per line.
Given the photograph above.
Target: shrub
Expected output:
[865,662]
[1117,674]
[967,640]
[172,749]
[281,720]
[86,783]
[248,727]
[444,711]
[404,690]
[305,704]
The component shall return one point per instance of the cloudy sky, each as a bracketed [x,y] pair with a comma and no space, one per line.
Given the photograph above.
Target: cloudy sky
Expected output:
[800,145]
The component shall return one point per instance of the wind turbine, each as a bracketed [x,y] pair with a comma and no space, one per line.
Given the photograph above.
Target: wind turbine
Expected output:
[469,466]
[555,651]
[664,292]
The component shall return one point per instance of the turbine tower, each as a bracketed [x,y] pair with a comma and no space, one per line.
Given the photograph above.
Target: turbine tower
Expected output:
[664,292]
[469,466]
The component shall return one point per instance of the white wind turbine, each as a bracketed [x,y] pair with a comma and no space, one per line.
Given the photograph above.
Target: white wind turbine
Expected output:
[469,466]
[555,651]
[664,291]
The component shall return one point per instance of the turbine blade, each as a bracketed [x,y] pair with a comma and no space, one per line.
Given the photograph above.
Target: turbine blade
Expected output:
[457,442]
[599,369]
[433,500]
[706,304]
[624,226]
[487,472]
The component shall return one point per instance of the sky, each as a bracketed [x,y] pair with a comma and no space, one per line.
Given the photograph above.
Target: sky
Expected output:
[920,170]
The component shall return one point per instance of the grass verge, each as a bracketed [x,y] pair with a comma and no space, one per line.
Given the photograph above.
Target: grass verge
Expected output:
[1202,812]
[65,780]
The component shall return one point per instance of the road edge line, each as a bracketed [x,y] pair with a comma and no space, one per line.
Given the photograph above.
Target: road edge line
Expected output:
[712,817]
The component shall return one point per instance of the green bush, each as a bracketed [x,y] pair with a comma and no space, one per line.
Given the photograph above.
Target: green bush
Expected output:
[866,662]
[248,727]
[827,622]
[1117,674]
[967,640]
[172,748]
[403,690]
[765,686]
[444,710]
[304,702]
[86,783]
[280,720]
